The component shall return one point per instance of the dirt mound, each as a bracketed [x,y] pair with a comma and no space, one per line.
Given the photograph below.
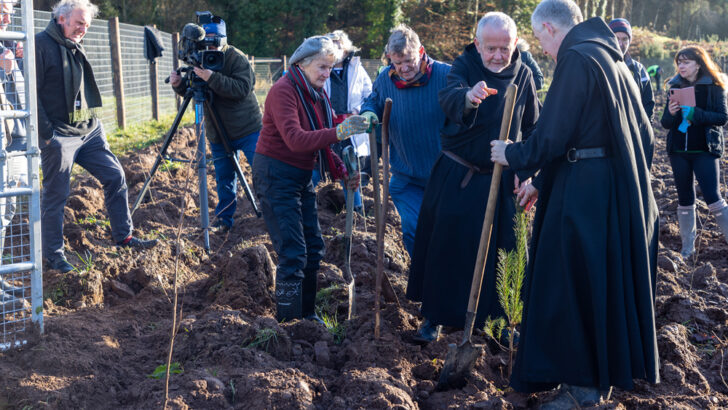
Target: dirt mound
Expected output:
[107,329]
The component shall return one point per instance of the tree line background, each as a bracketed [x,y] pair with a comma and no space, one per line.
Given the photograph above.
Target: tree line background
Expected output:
[273,28]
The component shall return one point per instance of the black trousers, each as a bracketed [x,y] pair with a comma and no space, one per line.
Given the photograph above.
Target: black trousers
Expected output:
[288,203]
[704,166]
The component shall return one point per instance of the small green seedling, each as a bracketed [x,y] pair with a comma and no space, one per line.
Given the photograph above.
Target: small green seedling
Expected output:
[161,370]
[509,282]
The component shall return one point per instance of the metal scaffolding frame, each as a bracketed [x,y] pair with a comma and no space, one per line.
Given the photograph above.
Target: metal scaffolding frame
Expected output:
[21,276]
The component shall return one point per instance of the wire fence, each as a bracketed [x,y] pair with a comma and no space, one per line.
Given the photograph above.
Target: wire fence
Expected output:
[137,87]
[21,306]
[135,70]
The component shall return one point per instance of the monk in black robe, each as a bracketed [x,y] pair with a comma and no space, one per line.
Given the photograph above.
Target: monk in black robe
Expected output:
[453,207]
[589,319]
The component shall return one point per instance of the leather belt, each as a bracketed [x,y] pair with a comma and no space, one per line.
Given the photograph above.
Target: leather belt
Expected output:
[574,154]
[472,169]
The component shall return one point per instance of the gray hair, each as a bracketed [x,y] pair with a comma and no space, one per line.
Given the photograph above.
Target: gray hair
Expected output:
[340,37]
[313,48]
[563,14]
[499,20]
[402,39]
[66,7]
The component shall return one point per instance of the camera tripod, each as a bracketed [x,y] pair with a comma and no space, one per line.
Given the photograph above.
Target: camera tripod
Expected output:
[199,91]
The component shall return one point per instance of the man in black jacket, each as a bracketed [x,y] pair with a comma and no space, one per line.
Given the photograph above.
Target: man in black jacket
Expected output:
[234,100]
[589,319]
[451,217]
[68,102]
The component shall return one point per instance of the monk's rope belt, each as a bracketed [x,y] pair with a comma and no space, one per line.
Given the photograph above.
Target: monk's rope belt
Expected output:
[472,169]
[574,155]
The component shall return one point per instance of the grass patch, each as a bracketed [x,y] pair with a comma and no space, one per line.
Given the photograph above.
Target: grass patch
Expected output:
[326,299]
[93,220]
[169,166]
[263,339]
[87,262]
[139,136]
[336,328]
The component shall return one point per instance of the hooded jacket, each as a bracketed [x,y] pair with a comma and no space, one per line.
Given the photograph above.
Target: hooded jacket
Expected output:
[451,215]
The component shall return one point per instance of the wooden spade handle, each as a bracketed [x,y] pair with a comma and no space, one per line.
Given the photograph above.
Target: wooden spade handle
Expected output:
[488,220]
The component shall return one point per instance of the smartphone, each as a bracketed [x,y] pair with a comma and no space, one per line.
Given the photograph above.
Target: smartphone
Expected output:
[683,96]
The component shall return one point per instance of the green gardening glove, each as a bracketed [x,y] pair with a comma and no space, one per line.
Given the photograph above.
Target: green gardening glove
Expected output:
[372,119]
[356,124]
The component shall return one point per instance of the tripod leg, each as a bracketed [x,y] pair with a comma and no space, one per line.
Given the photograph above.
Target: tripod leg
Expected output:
[226,143]
[202,175]
[163,151]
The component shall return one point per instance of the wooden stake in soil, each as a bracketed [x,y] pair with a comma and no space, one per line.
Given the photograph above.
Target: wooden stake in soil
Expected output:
[377,204]
[386,286]
[178,251]
[380,206]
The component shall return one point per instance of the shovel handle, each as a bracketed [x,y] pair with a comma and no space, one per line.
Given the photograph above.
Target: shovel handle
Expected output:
[485,234]
[385,161]
[379,211]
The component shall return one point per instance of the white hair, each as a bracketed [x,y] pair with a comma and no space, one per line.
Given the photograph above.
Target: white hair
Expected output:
[402,40]
[338,36]
[66,7]
[564,14]
[497,20]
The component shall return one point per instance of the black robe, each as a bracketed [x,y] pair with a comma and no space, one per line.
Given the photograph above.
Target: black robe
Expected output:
[451,217]
[589,316]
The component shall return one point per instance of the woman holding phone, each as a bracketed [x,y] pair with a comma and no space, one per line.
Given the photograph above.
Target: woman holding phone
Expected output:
[695,139]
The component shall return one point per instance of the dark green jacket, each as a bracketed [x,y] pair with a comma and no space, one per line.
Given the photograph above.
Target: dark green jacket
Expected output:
[233,97]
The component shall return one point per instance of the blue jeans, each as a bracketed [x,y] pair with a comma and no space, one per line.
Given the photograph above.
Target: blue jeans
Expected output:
[227,181]
[288,203]
[705,168]
[407,197]
[316,178]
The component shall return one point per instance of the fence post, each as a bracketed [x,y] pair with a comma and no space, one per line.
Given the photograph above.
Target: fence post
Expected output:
[285,63]
[154,85]
[115,43]
[252,62]
[175,61]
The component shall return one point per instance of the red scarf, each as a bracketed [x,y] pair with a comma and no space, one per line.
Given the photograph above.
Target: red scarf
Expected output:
[309,96]
[419,80]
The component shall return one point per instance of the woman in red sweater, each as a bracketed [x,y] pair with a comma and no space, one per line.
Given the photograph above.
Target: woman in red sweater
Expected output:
[298,127]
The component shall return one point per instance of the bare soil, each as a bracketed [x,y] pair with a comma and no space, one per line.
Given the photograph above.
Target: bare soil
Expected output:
[107,329]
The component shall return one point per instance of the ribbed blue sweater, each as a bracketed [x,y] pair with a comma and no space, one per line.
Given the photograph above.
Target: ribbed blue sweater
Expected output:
[414,126]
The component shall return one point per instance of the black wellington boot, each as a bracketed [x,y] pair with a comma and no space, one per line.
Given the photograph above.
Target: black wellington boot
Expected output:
[288,299]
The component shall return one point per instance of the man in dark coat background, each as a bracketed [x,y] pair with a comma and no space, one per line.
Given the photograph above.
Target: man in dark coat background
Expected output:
[451,218]
[588,319]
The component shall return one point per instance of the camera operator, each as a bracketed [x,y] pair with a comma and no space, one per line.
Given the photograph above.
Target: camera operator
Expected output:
[235,102]
[68,103]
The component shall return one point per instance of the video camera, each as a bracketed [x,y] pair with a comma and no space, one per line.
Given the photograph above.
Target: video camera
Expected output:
[196,38]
